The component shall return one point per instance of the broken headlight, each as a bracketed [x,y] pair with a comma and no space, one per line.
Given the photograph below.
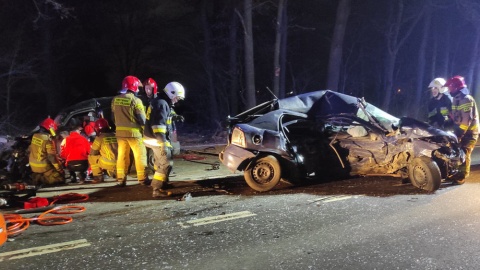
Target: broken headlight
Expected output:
[238,137]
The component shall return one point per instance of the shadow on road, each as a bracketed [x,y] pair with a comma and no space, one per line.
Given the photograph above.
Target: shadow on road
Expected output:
[367,186]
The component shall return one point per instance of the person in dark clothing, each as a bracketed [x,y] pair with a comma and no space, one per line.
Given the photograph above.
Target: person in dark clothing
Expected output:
[439,105]
[158,131]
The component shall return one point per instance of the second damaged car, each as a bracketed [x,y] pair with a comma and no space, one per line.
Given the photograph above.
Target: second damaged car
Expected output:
[325,134]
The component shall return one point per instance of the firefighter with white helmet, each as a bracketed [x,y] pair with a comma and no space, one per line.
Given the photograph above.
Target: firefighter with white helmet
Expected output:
[439,105]
[129,118]
[158,131]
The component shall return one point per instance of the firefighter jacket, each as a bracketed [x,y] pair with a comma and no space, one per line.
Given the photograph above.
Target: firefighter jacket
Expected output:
[76,147]
[439,110]
[159,121]
[128,115]
[465,115]
[106,146]
[43,153]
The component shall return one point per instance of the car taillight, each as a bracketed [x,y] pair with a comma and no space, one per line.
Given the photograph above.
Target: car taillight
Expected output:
[238,137]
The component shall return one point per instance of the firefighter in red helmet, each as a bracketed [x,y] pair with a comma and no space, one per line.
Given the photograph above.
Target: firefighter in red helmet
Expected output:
[129,118]
[43,158]
[103,154]
[465,118]
[151,88]
[158,132]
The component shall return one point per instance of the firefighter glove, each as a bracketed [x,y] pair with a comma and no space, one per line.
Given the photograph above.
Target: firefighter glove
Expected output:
[178,118]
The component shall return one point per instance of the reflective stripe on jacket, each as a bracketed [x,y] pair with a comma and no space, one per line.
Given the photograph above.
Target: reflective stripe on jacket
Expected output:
[159,120]
[439,109]
[106,146]
[465,113]
[128,115]
[43,153]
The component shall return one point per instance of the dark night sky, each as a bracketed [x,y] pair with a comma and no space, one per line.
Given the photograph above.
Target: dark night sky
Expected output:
[83,49]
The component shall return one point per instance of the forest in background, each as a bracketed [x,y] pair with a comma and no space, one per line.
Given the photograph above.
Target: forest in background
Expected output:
[228,53]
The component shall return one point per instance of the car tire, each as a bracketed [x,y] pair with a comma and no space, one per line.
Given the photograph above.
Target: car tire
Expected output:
[425,174]
[263,174]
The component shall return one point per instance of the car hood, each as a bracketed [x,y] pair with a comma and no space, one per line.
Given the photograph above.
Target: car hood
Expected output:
[419,129]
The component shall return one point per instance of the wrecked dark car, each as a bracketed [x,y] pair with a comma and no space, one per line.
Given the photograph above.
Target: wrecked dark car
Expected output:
[326,134]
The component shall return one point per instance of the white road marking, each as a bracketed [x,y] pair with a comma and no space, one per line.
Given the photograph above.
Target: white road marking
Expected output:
[29,252]
[331,199]
[215,219]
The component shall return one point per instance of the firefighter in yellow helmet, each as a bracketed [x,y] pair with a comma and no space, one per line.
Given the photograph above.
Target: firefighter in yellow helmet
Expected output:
[43,157]
[465,118]
[158,132]
[129,118]
[439,105]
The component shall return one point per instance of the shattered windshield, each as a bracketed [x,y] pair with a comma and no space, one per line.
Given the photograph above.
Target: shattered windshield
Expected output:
[385,119]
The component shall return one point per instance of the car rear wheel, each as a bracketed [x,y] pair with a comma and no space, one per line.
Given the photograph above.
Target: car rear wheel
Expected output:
[425,174]
[263,173]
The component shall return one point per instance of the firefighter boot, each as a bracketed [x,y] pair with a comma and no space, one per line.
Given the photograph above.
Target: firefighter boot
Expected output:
[121,182]
[98,179]
[157,189]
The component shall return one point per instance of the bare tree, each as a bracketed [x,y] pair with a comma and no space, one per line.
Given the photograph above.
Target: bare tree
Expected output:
[249,63]
[207,59]
[471,11]
[420,86]
[336,48]
[398,29]
[280,33]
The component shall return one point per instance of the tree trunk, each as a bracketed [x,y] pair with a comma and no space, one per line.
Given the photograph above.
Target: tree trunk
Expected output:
[277,47]
[212,100]
[249,64]
[283,51]
[336,48]
[233,69]
[420,89]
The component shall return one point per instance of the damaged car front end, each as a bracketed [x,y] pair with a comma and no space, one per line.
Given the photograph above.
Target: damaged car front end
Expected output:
[326,134]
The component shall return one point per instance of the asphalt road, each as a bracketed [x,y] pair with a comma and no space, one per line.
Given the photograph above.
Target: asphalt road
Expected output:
[364,223]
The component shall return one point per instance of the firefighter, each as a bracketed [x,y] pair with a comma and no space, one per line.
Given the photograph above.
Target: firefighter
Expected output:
[76,150]
[89,126]
[103,154]
[439,105]
[465,118]
[158,130]
[43,159]
[129,118]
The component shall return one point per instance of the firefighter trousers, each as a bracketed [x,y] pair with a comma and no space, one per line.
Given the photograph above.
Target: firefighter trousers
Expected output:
[139,154]
[98,164]
[468,144]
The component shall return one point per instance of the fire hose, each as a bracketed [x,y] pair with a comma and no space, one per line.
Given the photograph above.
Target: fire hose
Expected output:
[15,223]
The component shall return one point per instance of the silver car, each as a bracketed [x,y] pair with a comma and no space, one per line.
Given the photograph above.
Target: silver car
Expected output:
[328,134]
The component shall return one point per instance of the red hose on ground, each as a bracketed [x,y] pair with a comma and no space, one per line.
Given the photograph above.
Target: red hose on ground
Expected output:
[17,224]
